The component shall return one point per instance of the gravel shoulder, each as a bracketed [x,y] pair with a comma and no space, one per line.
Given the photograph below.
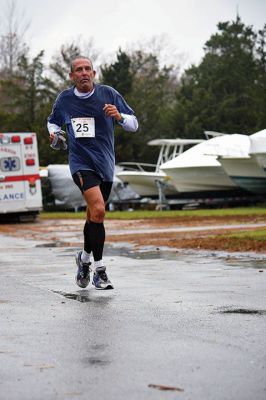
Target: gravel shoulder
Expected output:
[183,232]
[209,238]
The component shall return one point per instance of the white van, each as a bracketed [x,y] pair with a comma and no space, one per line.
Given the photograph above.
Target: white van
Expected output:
[20,185]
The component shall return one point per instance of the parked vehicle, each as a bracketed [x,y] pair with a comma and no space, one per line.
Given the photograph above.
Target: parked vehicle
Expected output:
[20,186]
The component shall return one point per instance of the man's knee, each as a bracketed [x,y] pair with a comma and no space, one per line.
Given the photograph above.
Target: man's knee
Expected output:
[95,203]
[97,213]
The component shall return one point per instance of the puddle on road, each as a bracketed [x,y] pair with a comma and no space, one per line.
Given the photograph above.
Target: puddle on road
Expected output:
[95,361]
[165,388]
[52,244]
[243,311]
[247,263]
[82,298]
[130,252]
[2,301]
[256,261]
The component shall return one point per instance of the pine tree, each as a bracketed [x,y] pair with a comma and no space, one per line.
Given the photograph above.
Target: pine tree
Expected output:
[220,93]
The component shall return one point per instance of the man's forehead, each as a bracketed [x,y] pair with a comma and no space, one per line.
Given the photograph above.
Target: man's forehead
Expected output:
[81,62]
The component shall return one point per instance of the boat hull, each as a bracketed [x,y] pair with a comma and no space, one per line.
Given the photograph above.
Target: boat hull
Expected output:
[260,159]
[144,183]
[246,173]
[200,179]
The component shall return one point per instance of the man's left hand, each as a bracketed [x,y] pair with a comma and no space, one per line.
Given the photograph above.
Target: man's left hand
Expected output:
[111,111]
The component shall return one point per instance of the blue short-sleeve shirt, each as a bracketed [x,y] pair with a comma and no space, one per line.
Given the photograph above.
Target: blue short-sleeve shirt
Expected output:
[90,153]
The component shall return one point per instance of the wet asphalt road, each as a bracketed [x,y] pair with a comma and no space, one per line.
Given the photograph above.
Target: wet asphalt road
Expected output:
[193,322]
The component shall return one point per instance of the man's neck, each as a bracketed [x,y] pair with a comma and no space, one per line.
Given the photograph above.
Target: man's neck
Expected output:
[83,95]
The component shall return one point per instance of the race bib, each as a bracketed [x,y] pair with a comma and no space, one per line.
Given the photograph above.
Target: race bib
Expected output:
[83,127]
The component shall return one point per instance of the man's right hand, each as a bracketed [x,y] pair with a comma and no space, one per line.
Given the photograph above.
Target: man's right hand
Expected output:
[52,135]
[58,140]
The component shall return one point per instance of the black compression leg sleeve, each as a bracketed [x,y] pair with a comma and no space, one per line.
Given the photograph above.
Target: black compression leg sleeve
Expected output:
[86,232]
[95,234]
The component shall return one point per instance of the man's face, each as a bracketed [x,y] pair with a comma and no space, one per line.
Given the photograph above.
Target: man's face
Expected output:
[82,75]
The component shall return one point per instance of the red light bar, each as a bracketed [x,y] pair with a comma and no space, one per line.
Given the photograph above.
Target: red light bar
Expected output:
[30,161]
[15,139]
[28,140]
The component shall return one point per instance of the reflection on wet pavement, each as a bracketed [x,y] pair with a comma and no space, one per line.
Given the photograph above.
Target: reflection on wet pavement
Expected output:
[243,311]
[83,296]
[95,361]
[74,296]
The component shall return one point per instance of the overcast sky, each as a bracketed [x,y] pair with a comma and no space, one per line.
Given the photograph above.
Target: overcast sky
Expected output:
[185,24]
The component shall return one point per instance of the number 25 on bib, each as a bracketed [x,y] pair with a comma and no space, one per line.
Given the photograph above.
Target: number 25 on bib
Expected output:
[83,127]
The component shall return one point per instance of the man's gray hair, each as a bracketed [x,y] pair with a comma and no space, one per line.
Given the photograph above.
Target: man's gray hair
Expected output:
[77,58]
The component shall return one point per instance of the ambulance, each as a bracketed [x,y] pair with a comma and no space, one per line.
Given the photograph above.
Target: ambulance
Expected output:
[20,184]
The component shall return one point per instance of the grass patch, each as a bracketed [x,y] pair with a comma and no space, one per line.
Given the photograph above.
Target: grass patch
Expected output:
[146,214]
[252,240]
[256,234]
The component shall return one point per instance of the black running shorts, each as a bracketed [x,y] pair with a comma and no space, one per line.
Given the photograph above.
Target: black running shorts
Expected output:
[86,179]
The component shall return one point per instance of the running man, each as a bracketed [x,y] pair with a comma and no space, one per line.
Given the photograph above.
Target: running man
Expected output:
[89,112]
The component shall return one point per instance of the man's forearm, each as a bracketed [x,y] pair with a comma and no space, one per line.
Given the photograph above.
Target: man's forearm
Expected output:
[129,123]
[52,128]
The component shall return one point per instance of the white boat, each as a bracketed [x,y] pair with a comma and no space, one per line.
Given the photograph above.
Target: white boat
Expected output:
[248,170]
[258,148]
[147,179]
[198,169]
[121,192]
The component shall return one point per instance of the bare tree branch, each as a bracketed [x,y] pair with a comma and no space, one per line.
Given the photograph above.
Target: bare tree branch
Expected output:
[12,38]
